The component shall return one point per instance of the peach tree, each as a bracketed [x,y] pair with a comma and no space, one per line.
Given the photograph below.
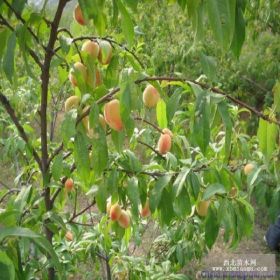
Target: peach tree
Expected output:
[107,147]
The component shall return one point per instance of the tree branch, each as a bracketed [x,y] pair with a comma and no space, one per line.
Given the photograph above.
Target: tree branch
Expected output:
[74,216]
[5,102]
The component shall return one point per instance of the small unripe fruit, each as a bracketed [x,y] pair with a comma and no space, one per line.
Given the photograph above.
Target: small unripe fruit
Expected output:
[124,219]
[164,144]
[91,48]
[69,236]
[69,185]
[112,115]
[105,52]
[248,168]
[202,208]
[72,103]
[115,212]
[150,96]
[146,212]
[78,15]
[78,68]
[233,192]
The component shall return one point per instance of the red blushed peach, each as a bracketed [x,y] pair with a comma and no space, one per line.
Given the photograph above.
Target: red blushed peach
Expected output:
[112,115]
[115,212]
[69,236]
[164,144]
[78,15]
[69,185]
[105,52]
[77,68]
[150,96]
[124,219]
[145,212]
[91,48]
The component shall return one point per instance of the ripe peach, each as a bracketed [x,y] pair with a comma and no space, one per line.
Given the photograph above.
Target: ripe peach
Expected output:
[72,103]
[150,96]
[248,168]
[115,212]
[105,52]
[78,15]
[69,185]
[91,48]
[112,115]
[124,219]
[146,212]
[69,236]
[202,207]
[164,144]
[77,68]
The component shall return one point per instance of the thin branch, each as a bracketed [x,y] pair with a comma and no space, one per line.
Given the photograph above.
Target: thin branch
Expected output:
[11,112]
[149,123]
[151,148]
[81,38]
[82,211]
[11,191]
[215,90]
[75,44]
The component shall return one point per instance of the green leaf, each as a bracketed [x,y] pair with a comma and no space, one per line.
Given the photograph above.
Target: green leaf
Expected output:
[196,12]
[221,16]
[3,42]
[276,96]
[57,167]
[68,127]
[39,240]
[195,184]
[201,126]
[239,32]
[101,197]
[165,207]
[6,267]
[112,72]
[209,65]
[133,194]
[161,114]
[267,136]
[173,104]
[8,62]
[223,110]
[211,227]
[182,204]
[155,195]
[180,181]
[99,142]
[126,23]
[125,108]
[81,156]
[212,190]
